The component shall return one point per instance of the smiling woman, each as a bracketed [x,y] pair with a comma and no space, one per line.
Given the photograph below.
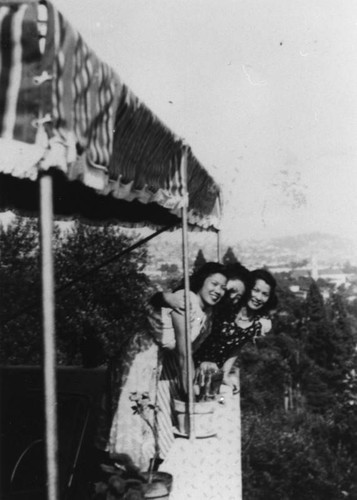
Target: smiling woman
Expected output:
[259,295]
[155,362]
[262,294]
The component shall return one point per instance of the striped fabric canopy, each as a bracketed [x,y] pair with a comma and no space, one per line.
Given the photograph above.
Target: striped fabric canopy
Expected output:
[61,108]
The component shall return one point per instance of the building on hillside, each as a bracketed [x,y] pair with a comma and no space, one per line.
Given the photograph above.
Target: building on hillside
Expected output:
[298,291]
[334,276]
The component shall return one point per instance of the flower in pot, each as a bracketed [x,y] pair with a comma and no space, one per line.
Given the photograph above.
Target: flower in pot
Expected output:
[158,483]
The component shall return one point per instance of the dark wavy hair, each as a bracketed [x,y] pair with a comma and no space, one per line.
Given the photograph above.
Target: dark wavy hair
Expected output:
[236,271]
[199,276]
[264,275]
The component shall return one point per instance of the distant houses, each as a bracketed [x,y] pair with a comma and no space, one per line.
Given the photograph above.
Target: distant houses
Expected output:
[165,265]
[329,280]
[335,276]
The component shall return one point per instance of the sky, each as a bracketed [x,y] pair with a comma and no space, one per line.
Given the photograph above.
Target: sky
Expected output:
[264,92]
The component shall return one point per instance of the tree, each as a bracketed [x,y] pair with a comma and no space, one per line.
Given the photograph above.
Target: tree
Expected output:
[330,339]
[292,454]
[345,354]
[343,335]
[94,316]
[199,261]
[229,257]
[115,295]
[319,344]
[289,457]
[20,288]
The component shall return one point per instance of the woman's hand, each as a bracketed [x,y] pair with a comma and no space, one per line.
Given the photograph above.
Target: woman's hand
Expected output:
[266,325]
[208,366]
[203,372]
[232,381]
[230,376]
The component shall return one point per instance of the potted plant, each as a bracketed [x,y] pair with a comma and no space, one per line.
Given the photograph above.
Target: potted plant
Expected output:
[158,483]
[120,480]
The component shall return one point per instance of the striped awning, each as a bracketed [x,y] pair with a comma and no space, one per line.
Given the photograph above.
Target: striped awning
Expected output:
[62,108]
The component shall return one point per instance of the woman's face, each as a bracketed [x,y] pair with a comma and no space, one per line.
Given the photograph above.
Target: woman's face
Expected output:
[235,290]
[213,289]
[259,295]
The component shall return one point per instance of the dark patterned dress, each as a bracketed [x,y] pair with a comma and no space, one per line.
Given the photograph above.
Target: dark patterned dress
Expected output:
[227,339]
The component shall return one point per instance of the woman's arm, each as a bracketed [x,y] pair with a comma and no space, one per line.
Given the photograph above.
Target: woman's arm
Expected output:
[167,299]
[227,377]
[178,321]
[266,325]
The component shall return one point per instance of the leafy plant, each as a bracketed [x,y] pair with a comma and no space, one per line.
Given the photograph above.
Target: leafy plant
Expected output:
[121,480]
[143,406]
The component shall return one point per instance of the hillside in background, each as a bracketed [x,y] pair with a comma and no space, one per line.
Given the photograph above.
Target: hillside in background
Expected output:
[326,249]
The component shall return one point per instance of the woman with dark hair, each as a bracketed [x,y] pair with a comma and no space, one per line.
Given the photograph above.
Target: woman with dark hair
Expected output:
[237,287]
[239,325]
[262,295]
[207,288]
[160,353]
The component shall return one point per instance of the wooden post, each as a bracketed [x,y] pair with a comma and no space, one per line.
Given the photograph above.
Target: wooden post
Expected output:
[189,373]
[48,322]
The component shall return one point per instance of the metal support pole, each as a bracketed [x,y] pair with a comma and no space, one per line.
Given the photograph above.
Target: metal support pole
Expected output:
[219,249]
[239,471]
[191,429]
[47,271]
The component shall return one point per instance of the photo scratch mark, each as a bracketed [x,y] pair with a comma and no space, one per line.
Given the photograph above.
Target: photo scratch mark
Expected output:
[250,80]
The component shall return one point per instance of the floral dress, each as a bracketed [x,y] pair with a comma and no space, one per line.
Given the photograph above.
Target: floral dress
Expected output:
[228,338]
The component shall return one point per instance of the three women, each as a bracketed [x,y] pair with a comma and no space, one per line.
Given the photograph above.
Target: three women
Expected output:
[240,323]
[156,364]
